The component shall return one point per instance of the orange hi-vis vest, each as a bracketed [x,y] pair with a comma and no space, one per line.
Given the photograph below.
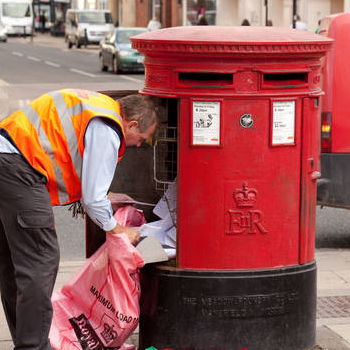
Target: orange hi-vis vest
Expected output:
[50,135]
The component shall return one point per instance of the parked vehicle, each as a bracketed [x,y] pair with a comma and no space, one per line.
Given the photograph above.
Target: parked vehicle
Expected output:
[3,33]
[116,52]
[17,16]
[333,189]
[85,27]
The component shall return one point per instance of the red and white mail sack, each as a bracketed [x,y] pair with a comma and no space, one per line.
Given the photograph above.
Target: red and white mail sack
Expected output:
[98,308]
[128,215]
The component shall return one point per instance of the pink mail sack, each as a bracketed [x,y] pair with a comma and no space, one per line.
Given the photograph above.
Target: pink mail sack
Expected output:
[98,308]
[128,215]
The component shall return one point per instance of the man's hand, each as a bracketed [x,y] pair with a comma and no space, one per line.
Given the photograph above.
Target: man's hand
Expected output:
[133,235]
[117,200]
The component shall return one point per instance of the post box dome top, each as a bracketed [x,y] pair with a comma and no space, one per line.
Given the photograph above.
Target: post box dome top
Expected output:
[220,39]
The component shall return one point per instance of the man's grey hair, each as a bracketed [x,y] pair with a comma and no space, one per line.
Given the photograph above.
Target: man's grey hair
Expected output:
[139,108]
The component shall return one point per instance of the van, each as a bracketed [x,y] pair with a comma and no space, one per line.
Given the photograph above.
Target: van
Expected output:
[333,189]
[85,27]
[17,16]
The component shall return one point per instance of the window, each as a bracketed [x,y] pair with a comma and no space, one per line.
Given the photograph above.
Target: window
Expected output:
[108,17]
[201,10]
[95,17]
[102,5]
[123,36]
[15,10]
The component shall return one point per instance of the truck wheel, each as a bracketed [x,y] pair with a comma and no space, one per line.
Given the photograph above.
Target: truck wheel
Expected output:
[103,68]
[115,65]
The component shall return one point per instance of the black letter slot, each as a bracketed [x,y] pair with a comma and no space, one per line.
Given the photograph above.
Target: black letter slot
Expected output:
[284,80]
[206,80]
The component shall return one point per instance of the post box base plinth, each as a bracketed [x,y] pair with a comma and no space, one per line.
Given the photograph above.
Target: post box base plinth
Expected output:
[272,309]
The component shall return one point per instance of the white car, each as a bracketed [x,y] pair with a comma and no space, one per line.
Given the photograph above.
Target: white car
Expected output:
[3,33]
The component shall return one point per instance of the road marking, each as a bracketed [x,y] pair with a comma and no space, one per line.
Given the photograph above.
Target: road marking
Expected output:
[82,72]
[52,64]
[23,103]
[33,58]
[132,79]
[4,83]
[17,53]
[106,75]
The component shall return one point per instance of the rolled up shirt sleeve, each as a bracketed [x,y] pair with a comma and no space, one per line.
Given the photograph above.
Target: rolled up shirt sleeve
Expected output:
[100,159]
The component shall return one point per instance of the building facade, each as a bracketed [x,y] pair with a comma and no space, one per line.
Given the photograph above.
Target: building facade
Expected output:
[171,13]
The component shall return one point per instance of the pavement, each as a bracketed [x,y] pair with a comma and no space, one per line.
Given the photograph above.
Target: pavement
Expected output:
[333,300]
[46,39]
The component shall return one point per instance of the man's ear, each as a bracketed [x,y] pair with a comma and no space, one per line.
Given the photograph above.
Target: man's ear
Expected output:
[132,123]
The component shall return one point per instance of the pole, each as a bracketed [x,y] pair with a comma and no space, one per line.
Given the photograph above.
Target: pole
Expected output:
[294,12]
[33,23]
[52,18]
[266,12]
[184,12]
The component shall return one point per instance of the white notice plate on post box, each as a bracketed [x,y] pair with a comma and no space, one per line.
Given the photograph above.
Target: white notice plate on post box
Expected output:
[205,123]
[283,123]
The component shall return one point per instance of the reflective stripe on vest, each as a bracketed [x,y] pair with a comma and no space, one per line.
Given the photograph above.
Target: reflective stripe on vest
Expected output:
[50,134]
[34,118]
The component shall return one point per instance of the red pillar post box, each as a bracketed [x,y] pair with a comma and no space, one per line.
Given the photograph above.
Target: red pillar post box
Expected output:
[248,126]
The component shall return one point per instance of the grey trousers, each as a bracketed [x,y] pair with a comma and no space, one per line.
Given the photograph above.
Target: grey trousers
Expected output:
[29,253]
